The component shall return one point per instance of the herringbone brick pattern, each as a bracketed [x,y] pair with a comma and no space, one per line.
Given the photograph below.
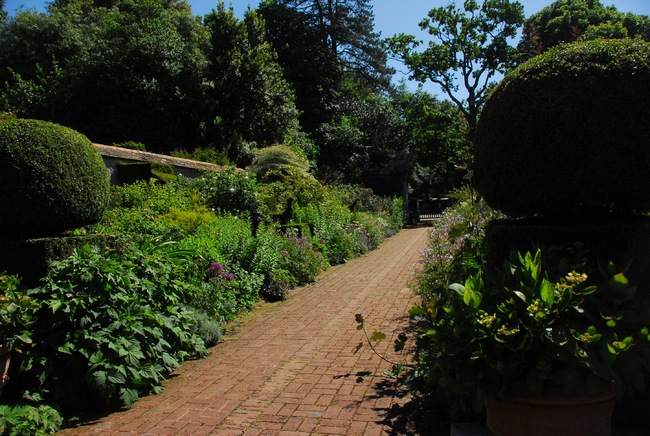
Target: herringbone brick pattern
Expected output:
[291,369]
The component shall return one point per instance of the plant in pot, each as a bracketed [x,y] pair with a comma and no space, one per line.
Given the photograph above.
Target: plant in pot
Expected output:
[548,329]
[17,314]
[561,148]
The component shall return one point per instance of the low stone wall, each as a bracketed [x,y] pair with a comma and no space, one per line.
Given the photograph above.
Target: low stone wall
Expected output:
[114,156]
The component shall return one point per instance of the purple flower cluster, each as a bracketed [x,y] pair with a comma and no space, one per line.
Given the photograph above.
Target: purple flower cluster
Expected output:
[442,258]
[216,272]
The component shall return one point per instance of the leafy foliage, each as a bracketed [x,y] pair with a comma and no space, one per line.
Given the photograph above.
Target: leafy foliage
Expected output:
[295,39]
[231,192]
[249,101]
[303,261]
[227,293]
[278,158]
[346,31]
[547,320]
[205,154]
[469,47]
[369,143]
[29,420]
[437,129]
[112,325]
[568,21]
[455,248]
[61,58]
[16,313]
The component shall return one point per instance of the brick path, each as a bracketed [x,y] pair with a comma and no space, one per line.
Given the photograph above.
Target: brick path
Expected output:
[291,369]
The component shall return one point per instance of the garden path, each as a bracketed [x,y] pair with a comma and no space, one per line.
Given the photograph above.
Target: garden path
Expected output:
[291,368]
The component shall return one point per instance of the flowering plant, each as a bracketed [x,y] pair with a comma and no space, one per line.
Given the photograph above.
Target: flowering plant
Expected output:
[17,313]
[544,322]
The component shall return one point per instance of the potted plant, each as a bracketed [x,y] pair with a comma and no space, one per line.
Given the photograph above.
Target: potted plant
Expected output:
[17,311]
[549,327]
[561,149]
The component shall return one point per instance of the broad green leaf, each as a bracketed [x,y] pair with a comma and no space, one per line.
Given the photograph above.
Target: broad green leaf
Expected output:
[117,378]
[470,297]
[589,290]
[377,336]
[98,378]
[457,287]
[128,396]
[618,283]
[547,292]
[521,295]
[24,338]
[458,231]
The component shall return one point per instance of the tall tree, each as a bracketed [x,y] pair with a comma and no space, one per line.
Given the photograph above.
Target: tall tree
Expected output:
[129,72]
[249,101]
[346,28]
[469,46]
[569,20]
[436,128]
[368,143]
[308,64]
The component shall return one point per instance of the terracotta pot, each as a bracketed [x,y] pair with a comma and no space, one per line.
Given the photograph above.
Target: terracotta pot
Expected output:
[555,415]
[5,353]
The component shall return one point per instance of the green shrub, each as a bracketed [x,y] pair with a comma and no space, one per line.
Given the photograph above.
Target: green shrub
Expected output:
[131,145]
[331,227]
[209,155]
[172,210]
[456,246]
[29,420]
[190,220]
[285,191]
[278,158]
[566,134]
[301,259]
[52,179]
[268,261]
[231,192]
[227,291]
[112,325]
[227,239]
[153,196]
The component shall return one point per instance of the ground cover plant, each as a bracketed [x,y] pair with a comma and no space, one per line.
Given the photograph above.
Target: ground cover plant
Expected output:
[189,257]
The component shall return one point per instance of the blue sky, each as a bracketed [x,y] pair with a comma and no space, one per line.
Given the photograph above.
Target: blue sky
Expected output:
[391,16]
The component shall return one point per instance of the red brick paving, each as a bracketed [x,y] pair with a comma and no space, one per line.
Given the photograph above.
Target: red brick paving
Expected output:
[292,370]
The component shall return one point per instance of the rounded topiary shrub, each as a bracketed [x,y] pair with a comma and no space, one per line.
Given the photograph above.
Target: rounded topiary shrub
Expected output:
[567,134]
[51,179]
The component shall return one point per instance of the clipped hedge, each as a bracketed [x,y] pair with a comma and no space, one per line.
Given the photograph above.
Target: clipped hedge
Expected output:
[51,179]
[566,134]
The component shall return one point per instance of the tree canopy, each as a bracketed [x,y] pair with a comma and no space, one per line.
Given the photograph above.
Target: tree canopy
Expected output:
[248,99]
[469,46]
[569,20]
[346,29]
[311,75]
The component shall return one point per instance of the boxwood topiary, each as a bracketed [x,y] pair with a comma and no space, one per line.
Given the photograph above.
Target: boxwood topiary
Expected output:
[51,179]
[567,134]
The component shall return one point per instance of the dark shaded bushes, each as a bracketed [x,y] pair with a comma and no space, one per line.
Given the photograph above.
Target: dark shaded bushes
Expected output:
[51,179]
[565,135]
